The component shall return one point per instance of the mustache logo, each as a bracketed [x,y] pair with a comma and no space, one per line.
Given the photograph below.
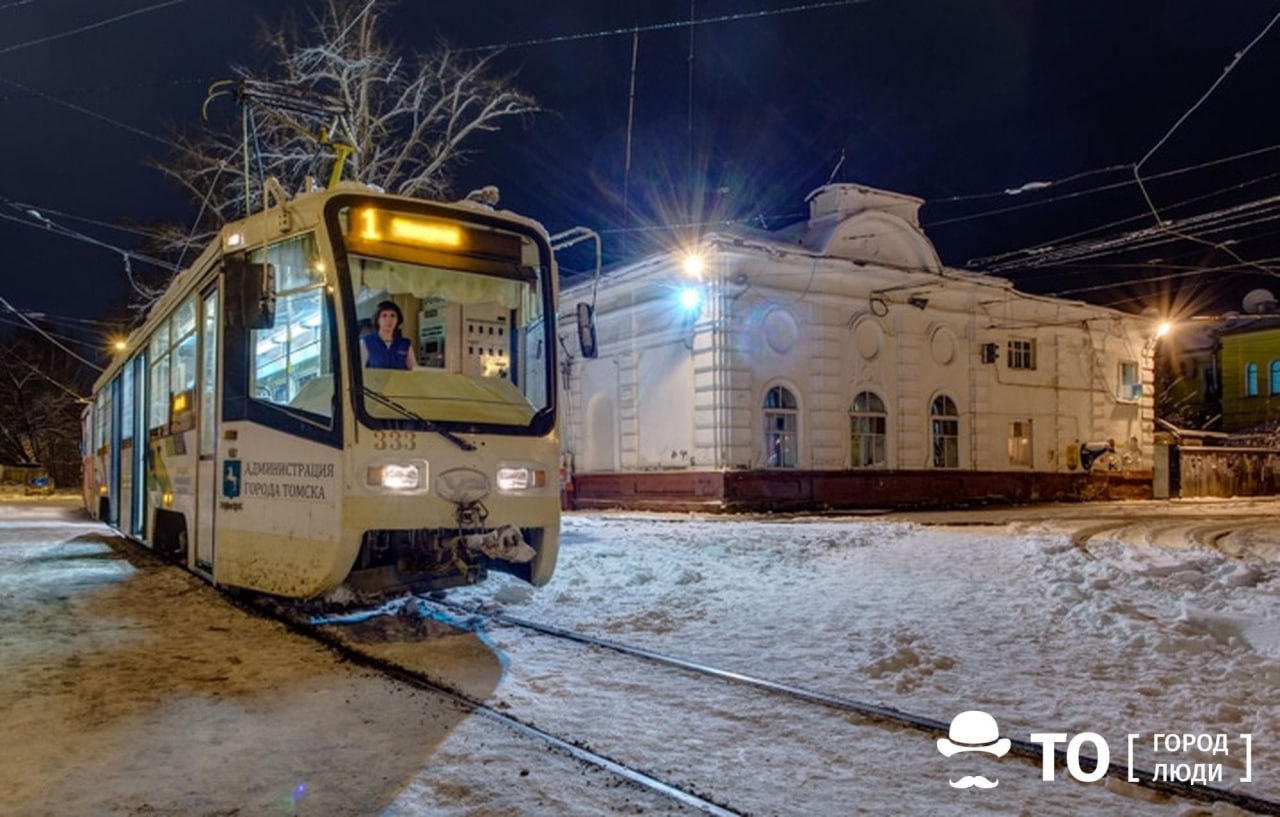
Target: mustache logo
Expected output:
[970,781]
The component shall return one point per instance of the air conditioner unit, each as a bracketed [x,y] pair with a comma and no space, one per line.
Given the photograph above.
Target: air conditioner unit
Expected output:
[990,352]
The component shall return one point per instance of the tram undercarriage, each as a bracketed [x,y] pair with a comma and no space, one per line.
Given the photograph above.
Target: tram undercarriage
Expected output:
[433,559]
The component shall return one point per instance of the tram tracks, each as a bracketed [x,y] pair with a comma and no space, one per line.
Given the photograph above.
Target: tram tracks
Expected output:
[300,624]
[693,795]
[875,713]
[1232,538]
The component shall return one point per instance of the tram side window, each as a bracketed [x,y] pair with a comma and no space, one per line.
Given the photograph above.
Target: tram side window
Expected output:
[100,409]
[292,361]
[158,407]
[209,364]
[126,402]
[182,367]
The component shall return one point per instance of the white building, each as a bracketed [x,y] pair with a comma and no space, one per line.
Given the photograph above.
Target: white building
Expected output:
[840,363]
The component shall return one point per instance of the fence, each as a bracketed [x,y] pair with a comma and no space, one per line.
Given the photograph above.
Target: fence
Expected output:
[1199,470]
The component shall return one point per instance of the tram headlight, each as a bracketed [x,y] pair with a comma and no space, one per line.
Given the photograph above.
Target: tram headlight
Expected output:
[406,477]
[520,478]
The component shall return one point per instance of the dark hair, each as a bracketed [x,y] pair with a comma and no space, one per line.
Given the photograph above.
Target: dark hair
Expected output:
[389,306]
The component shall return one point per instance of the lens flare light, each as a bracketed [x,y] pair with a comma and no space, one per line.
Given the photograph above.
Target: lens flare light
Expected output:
[690,298]
[693,265]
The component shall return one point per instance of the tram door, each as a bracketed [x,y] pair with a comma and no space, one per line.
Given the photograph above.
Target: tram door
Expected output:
[113,462]
[207,484]
[138,499]
[127,471]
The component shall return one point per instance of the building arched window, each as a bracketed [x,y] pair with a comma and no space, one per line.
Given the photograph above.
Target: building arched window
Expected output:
[1273,378]
[867,422]
[1251,380]
[780,422]
[944,424]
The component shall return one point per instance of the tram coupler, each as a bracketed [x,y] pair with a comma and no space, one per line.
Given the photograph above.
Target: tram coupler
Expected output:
[505,544]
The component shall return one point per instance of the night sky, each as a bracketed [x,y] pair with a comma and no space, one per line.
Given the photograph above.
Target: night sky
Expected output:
[947,100]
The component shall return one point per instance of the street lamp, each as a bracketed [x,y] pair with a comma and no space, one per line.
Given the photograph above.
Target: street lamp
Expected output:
[690,298]
[693,265]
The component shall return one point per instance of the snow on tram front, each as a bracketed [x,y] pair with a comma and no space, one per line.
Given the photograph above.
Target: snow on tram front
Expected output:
[347,390]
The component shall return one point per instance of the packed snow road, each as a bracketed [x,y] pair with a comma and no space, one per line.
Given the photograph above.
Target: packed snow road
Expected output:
[128,687]
[1052,620]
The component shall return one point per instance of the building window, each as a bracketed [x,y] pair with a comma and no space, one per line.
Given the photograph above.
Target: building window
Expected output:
[1130,384]
[867,421]
[780,419]
[1022,354]
[1273,378]
[1020,443]
[1251,380]
[945,426]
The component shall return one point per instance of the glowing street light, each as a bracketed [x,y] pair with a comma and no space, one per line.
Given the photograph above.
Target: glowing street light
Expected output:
[690,298]
[1164,328]
[693,265]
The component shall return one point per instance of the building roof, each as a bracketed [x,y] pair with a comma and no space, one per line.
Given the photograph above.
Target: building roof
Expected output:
[1246,324]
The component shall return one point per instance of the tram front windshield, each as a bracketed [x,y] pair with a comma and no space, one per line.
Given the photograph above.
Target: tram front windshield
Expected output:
[470,300]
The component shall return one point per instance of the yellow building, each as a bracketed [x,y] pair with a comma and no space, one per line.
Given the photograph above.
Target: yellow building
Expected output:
[1250,361]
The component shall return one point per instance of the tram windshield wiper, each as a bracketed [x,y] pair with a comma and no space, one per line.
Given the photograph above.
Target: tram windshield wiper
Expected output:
[383,400]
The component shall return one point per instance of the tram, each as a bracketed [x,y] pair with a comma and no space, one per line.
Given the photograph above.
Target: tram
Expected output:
[241,432]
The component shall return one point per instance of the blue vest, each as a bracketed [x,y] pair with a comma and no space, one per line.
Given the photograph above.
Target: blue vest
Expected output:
[381,356]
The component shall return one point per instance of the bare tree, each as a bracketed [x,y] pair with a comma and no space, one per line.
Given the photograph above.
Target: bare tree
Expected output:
[406,121]
[40,406]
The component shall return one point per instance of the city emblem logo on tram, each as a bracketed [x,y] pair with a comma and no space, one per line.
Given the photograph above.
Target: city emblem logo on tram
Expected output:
[231,479]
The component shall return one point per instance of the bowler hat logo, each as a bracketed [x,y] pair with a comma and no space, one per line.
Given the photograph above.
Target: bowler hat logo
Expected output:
[974,731]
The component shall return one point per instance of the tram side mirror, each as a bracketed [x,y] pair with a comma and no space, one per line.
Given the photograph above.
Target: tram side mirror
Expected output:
[587,330]
[251,293]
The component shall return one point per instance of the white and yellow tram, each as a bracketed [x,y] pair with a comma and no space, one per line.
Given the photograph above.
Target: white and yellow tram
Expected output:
[240,431]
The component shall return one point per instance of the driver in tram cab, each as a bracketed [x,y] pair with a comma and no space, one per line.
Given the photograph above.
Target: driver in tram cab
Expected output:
[386,348]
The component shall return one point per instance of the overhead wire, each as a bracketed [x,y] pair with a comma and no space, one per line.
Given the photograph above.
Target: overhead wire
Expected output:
[1086,192]
[693,22]
[1120,222]
[1185,273]
[1137,168]
[1176,230]
[986,260]
[204,205]
[47,223]
[670,24]
[81,29]
[39,330]
[88,112]
[26,206]
[7,321]
[35,370]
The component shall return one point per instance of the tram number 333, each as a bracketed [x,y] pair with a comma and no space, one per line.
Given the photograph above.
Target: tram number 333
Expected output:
[393,441]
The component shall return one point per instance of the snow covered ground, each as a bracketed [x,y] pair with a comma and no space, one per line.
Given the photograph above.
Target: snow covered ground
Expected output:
[1163,620]
[1133,618]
